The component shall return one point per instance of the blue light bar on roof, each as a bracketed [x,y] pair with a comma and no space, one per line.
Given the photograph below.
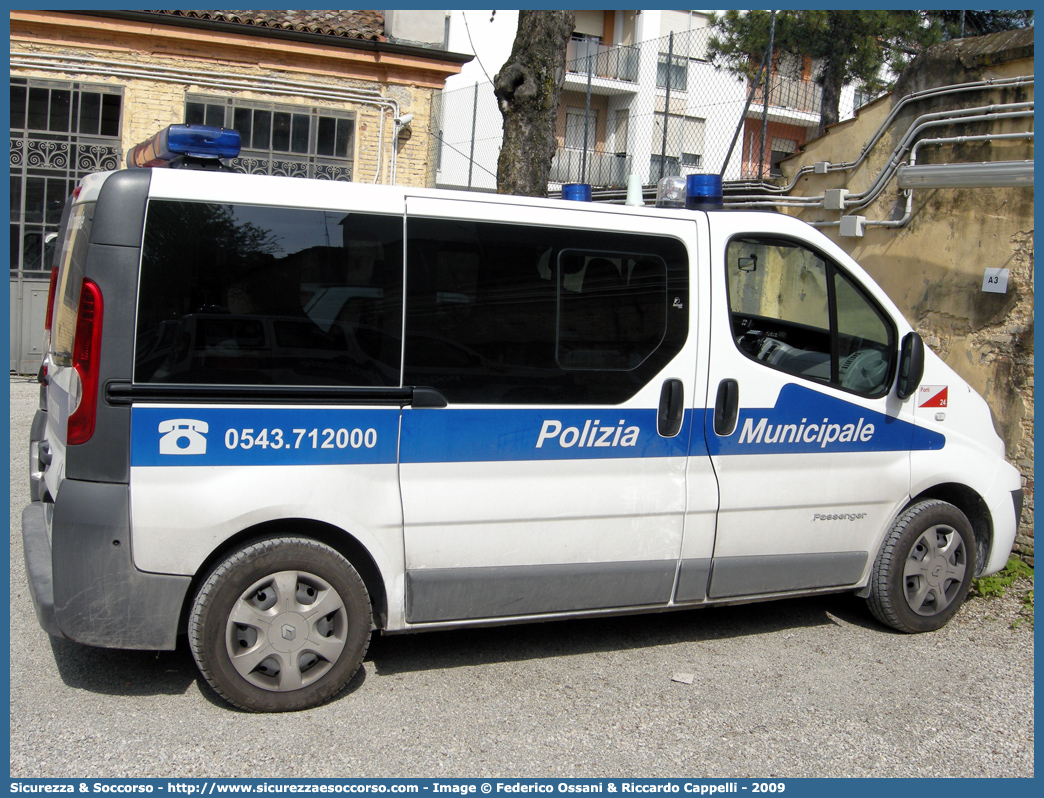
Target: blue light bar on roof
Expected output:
[703,191]
[192,141]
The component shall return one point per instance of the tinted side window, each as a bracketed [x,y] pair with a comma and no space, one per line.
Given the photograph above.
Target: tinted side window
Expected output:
[612,308]
[797,312]
[251,295]
[502,313]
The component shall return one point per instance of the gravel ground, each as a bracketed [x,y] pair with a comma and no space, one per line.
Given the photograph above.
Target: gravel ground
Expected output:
[798,688]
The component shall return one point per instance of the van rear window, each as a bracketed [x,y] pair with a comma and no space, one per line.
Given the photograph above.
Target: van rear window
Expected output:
[71,261]
[252,295]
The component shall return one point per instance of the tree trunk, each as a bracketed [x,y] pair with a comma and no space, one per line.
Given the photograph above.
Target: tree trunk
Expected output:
[832,81]
[842,27]
[528,89]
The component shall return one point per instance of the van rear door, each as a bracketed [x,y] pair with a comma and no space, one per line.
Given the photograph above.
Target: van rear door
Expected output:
[64,390]
[564,342]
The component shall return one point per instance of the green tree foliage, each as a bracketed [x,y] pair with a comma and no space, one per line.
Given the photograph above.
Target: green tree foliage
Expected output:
[847,46]
[978,23]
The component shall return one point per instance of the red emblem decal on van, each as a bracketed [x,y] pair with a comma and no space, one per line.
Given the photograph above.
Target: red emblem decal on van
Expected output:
[932,395]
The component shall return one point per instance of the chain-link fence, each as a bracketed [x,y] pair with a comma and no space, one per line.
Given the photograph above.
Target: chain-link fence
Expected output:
[466,132]
[658,108]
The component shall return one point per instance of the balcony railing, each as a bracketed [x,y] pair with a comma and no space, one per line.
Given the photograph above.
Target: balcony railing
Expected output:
[801,95]
[588,56]
[603,169]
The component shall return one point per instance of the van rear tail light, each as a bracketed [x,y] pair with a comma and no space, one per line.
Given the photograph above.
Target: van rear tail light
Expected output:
[85,360]
[50,298]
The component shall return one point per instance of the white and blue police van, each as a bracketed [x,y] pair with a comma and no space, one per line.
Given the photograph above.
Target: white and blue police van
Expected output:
[278,415]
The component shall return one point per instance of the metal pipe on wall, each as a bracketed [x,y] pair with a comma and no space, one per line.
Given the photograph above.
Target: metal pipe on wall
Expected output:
[940,91]
[967,175]
[989,167]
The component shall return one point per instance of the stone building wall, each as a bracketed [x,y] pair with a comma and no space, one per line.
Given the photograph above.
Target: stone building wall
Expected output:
[933,265]
[124,53]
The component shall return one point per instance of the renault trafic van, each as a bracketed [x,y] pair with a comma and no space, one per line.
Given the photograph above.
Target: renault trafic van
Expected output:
[279,414]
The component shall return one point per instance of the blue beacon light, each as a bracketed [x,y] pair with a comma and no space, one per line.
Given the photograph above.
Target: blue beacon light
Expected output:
[703,192]
[195,142]
[577,191]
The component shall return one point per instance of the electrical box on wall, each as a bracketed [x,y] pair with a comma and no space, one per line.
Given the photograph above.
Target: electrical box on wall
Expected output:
[853,226]
[834,199]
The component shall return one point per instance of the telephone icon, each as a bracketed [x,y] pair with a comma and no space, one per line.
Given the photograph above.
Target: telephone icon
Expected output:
[183,436]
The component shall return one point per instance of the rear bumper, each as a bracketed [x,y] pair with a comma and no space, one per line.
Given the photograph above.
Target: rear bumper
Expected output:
[37,550]
[81,577]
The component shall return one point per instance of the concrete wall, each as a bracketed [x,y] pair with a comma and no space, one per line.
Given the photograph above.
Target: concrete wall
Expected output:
[933,265]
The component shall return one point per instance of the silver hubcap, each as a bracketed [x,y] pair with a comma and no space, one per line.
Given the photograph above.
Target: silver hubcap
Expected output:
[934,570]
[285,631]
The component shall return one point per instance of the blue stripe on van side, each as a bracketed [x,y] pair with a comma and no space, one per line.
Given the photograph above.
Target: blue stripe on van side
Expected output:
[304,436]
[457,436]
[221,436]
[807,421]
[803,421]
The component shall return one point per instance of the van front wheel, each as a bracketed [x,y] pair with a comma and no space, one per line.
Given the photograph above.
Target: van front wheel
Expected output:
[281,624]
[924,569]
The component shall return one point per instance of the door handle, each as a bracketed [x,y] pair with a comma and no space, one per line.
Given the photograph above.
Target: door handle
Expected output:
[672,407]
[726,407]
[427,397]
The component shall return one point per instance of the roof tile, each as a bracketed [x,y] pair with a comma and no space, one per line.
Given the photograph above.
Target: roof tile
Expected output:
[368,25]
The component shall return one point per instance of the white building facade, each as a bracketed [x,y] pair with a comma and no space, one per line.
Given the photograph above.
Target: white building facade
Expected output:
[640,97]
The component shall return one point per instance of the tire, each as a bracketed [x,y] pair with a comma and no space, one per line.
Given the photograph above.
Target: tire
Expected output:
[280,625]
[924,569]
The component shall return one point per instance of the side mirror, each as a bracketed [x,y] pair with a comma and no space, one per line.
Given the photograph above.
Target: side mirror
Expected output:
[911,365]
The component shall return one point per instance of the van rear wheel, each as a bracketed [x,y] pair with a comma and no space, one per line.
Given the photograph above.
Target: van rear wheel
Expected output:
[279,625]
[924,569]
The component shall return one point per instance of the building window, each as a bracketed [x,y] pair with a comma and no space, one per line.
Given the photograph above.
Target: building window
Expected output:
[781,148]
[688,164]
[691,32]
[59,132]
[863,95]
[790,66]
[678,72]
[660,167]
[292,141]
[575,131]
[680,150]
